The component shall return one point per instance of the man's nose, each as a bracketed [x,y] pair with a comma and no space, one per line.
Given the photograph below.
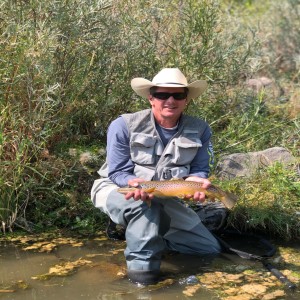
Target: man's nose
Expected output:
[171,98]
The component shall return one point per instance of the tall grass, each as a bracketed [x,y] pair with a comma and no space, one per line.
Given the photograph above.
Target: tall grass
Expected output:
[65,70]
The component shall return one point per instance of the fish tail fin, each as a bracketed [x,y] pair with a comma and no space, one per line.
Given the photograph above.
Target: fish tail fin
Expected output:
[229,199]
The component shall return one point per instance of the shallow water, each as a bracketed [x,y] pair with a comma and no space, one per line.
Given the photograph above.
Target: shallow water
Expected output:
[102,274]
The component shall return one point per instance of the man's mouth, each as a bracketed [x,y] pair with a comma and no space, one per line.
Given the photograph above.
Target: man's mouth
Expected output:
[170,107]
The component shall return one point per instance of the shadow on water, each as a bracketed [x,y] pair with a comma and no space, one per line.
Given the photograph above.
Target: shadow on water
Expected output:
[99,273]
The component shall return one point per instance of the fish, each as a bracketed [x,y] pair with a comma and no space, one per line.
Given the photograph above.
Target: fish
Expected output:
[182,188]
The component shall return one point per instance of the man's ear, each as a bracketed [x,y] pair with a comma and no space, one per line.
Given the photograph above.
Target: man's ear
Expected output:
[150,98]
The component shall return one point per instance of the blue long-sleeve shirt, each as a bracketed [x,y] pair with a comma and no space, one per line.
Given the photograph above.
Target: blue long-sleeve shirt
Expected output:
[120,165]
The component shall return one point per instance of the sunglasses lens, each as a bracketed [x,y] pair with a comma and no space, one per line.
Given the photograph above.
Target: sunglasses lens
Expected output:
[165,96]
[161,96]
[179,96]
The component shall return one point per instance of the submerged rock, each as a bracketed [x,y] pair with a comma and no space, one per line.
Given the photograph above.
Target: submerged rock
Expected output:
[190,280]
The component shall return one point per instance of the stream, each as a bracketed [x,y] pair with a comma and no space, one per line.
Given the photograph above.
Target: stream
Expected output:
[61,267]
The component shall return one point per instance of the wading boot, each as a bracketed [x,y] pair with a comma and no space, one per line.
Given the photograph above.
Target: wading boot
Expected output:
[115,231]
[143,277]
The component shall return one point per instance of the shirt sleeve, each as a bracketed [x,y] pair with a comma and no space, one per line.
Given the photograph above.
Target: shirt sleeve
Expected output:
[201,164]
[120,165]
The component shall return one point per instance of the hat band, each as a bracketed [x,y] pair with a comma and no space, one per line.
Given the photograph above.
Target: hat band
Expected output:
[170,83]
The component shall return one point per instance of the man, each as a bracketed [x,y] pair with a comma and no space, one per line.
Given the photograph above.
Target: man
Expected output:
[159,143]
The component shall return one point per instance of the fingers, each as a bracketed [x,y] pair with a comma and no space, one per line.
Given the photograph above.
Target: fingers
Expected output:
[199,196]
[129,195]
[135,182]
[139,195]
[205,182]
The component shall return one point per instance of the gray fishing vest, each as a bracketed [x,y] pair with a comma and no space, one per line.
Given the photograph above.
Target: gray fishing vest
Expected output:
[152,160]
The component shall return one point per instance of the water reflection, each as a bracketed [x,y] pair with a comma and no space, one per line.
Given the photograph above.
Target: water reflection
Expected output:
[102,278]
[102,275]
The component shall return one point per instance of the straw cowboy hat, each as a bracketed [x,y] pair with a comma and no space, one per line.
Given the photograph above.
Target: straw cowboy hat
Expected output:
[168,77]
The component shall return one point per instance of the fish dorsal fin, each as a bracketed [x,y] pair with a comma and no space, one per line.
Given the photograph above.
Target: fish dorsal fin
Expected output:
[175,178]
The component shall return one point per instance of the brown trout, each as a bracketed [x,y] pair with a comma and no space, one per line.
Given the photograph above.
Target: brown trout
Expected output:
[180,189]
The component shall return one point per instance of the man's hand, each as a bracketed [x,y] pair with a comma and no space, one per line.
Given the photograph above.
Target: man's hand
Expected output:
[138,194]
[198,196]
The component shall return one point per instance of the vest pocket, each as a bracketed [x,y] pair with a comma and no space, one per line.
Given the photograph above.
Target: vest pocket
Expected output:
[175,172]
[144,172]
[185,150]
[142,148]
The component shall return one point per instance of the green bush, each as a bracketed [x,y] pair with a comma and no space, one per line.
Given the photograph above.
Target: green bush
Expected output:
[269,202]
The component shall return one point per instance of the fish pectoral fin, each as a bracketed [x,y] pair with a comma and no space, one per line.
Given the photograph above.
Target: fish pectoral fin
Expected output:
[149,190]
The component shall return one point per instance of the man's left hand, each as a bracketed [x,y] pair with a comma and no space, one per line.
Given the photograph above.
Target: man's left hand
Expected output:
[198,196]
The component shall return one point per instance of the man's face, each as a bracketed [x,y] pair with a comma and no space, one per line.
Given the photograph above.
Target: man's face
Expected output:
[168,109]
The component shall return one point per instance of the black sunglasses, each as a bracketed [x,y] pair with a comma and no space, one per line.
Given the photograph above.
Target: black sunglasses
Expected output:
[165,95]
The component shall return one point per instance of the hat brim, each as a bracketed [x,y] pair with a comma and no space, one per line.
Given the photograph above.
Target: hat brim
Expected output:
[142,86]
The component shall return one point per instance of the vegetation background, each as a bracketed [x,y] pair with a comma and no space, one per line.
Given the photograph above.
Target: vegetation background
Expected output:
[65,69]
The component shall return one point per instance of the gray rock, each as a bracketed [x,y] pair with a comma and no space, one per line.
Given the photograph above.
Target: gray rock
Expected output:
[246,164]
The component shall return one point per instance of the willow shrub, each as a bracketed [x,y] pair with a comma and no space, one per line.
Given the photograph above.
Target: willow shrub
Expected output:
[65,72]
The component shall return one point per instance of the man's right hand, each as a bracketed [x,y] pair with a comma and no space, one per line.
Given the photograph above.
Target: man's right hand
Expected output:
[138,194]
